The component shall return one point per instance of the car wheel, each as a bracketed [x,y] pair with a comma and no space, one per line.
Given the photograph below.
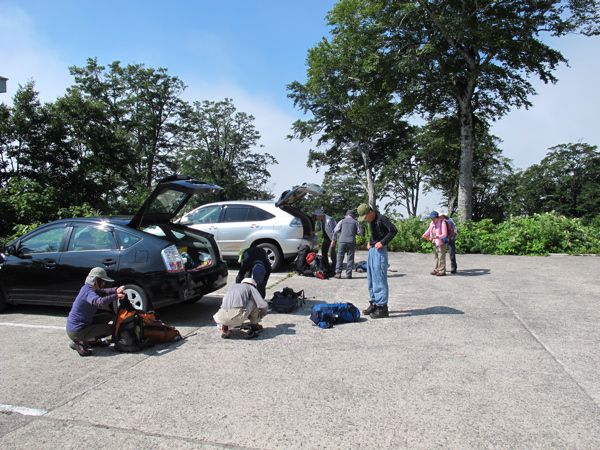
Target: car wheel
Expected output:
[273,254]
[2,302]
[137,297]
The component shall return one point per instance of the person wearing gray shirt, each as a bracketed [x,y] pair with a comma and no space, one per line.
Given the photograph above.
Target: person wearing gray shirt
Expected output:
[242,302]
[345,233]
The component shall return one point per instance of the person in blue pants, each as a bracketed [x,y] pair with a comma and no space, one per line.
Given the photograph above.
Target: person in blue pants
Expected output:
[382,231]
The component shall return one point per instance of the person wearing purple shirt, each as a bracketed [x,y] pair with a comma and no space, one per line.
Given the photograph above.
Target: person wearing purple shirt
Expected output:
[84,327]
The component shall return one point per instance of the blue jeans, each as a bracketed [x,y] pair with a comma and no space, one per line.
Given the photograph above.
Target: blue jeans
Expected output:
[345,248]
[377,266]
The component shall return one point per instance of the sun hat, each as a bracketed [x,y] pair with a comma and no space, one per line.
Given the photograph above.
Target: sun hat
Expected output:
[443,212]
[97,272]
[434,214]
[249,281]
[362,211]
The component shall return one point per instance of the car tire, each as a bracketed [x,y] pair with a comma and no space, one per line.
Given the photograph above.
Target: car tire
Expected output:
[137,296]
[273,254]
[3,302]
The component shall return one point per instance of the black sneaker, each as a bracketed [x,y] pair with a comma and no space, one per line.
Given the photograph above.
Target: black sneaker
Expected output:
[371,309]
[100,343]
[80,348]
[380,313]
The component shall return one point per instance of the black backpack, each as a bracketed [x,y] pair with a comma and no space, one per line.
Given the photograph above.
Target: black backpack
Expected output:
[301,264]
[286,300]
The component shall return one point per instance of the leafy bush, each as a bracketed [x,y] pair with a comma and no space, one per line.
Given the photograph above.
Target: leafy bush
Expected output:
[539,234]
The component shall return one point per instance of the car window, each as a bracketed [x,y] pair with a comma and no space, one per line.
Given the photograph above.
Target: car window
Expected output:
[167,202]
[44,242]
[238,213]
[210,214]
[126,240]
[259,214]
[88,237]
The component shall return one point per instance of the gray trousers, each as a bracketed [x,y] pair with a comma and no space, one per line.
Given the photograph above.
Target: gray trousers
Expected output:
[345,248]
[99,328]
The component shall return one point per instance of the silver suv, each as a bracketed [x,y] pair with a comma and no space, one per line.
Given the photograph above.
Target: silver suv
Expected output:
[278,227]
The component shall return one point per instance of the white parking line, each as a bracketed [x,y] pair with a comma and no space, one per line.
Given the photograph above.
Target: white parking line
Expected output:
[26,325]
[23,410]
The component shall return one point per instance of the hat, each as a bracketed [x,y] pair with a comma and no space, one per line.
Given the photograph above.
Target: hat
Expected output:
[362,210]
[443,212]
[249,281]
[319,212]
[97,272]
[351,212]
[434,215]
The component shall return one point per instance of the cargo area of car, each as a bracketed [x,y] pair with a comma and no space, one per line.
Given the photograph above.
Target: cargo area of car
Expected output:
[308,226]
[196,250]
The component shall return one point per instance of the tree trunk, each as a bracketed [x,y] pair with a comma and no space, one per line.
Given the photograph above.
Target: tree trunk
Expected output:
[467,145]
[370,177]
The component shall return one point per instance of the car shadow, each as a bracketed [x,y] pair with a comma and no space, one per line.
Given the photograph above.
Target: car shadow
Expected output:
[471,272]
[425,311]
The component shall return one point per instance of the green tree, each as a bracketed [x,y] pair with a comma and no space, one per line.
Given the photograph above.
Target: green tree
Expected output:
[354,118]
[458,57]
[221,148]
[566,181]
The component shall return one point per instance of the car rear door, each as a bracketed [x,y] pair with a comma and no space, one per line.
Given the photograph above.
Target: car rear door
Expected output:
[30,275]
[90,245]
[235,227]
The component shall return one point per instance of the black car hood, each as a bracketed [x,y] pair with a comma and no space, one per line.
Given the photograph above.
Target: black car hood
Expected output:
[168,198]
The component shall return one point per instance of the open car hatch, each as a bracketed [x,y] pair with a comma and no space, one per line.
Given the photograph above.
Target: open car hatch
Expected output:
[168,198]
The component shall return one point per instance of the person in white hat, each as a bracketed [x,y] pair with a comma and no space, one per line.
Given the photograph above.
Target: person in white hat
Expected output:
[241,303]
[84,327]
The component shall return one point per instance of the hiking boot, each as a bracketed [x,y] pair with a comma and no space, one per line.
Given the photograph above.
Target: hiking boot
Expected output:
[370,309]
[440,274]
[256,327]
[453,271]
[338,276]
[80,348]
[100,343]
[349,276]
[224,332]
[380,313]
[433,272]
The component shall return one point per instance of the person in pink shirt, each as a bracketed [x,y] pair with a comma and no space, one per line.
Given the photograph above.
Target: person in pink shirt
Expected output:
[437,233]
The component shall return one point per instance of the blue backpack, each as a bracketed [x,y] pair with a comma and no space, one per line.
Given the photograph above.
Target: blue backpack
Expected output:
[326,315]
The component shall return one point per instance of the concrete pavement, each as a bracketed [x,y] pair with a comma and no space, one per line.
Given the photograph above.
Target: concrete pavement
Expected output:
[502,355]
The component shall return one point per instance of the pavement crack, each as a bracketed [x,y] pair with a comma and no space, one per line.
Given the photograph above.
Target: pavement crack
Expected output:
[547,350]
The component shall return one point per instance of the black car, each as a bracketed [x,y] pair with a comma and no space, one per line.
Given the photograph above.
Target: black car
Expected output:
[159,262]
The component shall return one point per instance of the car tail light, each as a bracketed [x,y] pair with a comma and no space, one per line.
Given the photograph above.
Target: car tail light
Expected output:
[296,223]
[172,259]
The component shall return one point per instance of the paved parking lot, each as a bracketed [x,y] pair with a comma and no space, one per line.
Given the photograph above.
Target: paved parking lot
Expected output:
[504,354]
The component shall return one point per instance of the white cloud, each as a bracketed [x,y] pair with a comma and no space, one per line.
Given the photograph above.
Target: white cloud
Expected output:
[26,57]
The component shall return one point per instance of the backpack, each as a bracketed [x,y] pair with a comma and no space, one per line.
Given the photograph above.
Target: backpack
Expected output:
[452,232]
[301,264]
[360,266]
[135,330]
[286,300]
[326,315]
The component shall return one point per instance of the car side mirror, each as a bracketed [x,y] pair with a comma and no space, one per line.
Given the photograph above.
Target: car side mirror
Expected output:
[11,250]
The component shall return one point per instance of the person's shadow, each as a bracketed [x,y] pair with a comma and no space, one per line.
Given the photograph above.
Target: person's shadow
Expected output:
[266,333]
[425,311]
[471,272]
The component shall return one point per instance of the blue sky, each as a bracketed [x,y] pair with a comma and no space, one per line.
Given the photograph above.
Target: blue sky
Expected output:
[249,50]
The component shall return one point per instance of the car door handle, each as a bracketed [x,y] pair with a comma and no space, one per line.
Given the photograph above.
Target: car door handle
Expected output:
[49,264]
[254,226]
[109,262]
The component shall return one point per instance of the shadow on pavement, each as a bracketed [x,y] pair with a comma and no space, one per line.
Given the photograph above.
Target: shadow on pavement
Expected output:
[472,272]
[425,311]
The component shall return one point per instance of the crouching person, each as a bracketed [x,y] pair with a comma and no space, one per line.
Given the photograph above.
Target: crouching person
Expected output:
[85,327]
[241,303]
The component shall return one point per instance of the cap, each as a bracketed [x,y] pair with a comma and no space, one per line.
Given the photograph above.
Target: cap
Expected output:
[362,210]
[434,214]
[97,272]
